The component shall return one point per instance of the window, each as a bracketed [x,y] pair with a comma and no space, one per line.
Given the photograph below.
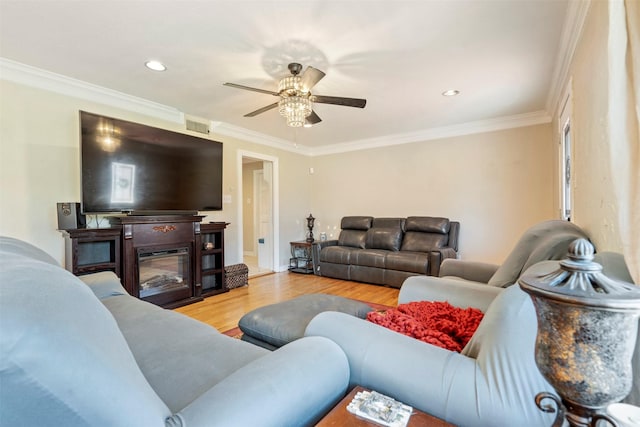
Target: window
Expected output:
[566,165]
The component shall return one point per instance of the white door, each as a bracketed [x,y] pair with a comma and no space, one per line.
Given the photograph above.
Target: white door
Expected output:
[263,215]
[264,211]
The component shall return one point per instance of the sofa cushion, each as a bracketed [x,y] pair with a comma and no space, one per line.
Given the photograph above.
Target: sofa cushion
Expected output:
[415,262]
[352,238]
[425,233]
[356,223]
[170,348]
[369,258]
[428,224]
[423,242]
[388,239]
[388,223]
[337,254]
[62,356]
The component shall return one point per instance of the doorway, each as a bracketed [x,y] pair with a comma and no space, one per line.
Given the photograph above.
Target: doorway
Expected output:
[258,210]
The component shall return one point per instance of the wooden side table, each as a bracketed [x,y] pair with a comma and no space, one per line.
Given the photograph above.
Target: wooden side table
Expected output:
[301,260]
[340,417]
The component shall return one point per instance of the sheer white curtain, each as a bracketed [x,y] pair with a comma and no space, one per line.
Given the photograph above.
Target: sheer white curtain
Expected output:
[623,123]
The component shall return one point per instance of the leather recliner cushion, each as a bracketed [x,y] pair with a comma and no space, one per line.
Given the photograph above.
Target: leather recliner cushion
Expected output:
[425,233]
[337,254]
[356,222]
[354,230]
[385,233]
[352,238]
[388,223]
[388,239]
[427,224]
[423,242]
[413,262]
[369,258]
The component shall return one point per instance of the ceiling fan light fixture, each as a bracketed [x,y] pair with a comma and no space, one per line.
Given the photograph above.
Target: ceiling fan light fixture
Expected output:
[296,100]
[295,109]
[290,85]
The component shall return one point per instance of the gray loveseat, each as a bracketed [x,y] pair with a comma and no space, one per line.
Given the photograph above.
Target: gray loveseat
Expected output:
[84,353]
[386,251]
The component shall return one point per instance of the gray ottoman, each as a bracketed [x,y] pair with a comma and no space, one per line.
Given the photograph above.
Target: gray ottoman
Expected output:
[275,325]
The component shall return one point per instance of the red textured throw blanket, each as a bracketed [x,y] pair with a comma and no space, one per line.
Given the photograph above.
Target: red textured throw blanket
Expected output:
[437,323]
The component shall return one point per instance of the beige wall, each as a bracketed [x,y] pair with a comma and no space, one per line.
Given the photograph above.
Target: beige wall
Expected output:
[594,206]
[496,184]
[39,166]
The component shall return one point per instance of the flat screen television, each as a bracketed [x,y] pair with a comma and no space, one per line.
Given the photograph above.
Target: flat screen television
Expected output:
[136,169]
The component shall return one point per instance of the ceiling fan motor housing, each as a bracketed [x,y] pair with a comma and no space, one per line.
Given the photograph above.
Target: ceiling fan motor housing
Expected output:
[295,68]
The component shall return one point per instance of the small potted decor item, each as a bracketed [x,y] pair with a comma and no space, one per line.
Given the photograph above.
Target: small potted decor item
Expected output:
[310,221]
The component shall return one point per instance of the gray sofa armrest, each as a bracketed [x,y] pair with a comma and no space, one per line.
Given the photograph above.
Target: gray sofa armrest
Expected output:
[468,270]
[437,256]
[493,383]
[104,284]
[416,373]
[459,293]
[293,386]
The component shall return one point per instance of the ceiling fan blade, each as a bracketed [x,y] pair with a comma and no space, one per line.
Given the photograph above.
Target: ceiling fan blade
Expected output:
[313,119]
[336,100]
[311,77]
[262,110]
[237,86]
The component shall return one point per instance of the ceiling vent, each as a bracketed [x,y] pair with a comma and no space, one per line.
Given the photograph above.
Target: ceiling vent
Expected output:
[197,126]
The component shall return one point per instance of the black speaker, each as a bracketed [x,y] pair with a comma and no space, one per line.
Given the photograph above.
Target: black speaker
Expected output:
[70,216]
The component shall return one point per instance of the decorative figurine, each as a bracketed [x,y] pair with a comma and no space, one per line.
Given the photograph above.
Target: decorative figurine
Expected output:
[310,221]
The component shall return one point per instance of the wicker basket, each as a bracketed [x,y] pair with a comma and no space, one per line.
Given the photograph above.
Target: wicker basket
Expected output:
[236,275]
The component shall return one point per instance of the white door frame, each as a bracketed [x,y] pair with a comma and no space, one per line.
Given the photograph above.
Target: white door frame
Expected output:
[275,202]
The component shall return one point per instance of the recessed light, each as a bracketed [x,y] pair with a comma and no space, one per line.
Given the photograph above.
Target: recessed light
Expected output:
[155,65]
[451,92]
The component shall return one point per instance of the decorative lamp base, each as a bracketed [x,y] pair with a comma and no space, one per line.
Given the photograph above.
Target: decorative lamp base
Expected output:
[576,415]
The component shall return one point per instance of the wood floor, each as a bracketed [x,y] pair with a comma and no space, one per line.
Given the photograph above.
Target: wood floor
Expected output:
[223,311]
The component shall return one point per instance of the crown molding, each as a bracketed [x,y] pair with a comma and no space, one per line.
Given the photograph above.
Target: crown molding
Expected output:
[571,32]
[226,129]
[35,77]
[46,80]
[481,126]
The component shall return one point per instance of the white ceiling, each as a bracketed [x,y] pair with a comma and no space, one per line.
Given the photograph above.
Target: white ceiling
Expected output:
[399,55]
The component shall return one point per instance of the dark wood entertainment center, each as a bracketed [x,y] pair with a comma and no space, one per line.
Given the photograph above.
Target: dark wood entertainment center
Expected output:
[169,260]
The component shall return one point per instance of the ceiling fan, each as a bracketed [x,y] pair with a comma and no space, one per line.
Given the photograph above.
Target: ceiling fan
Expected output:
[296,100]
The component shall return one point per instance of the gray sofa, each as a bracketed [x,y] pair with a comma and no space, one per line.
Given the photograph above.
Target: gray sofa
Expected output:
[84,353]
[385,251]
[492,383]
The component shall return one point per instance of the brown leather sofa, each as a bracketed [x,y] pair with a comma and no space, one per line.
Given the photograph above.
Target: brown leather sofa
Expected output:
[385,251]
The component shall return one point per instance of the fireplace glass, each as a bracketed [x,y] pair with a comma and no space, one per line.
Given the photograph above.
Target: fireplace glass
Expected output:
[163,271]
